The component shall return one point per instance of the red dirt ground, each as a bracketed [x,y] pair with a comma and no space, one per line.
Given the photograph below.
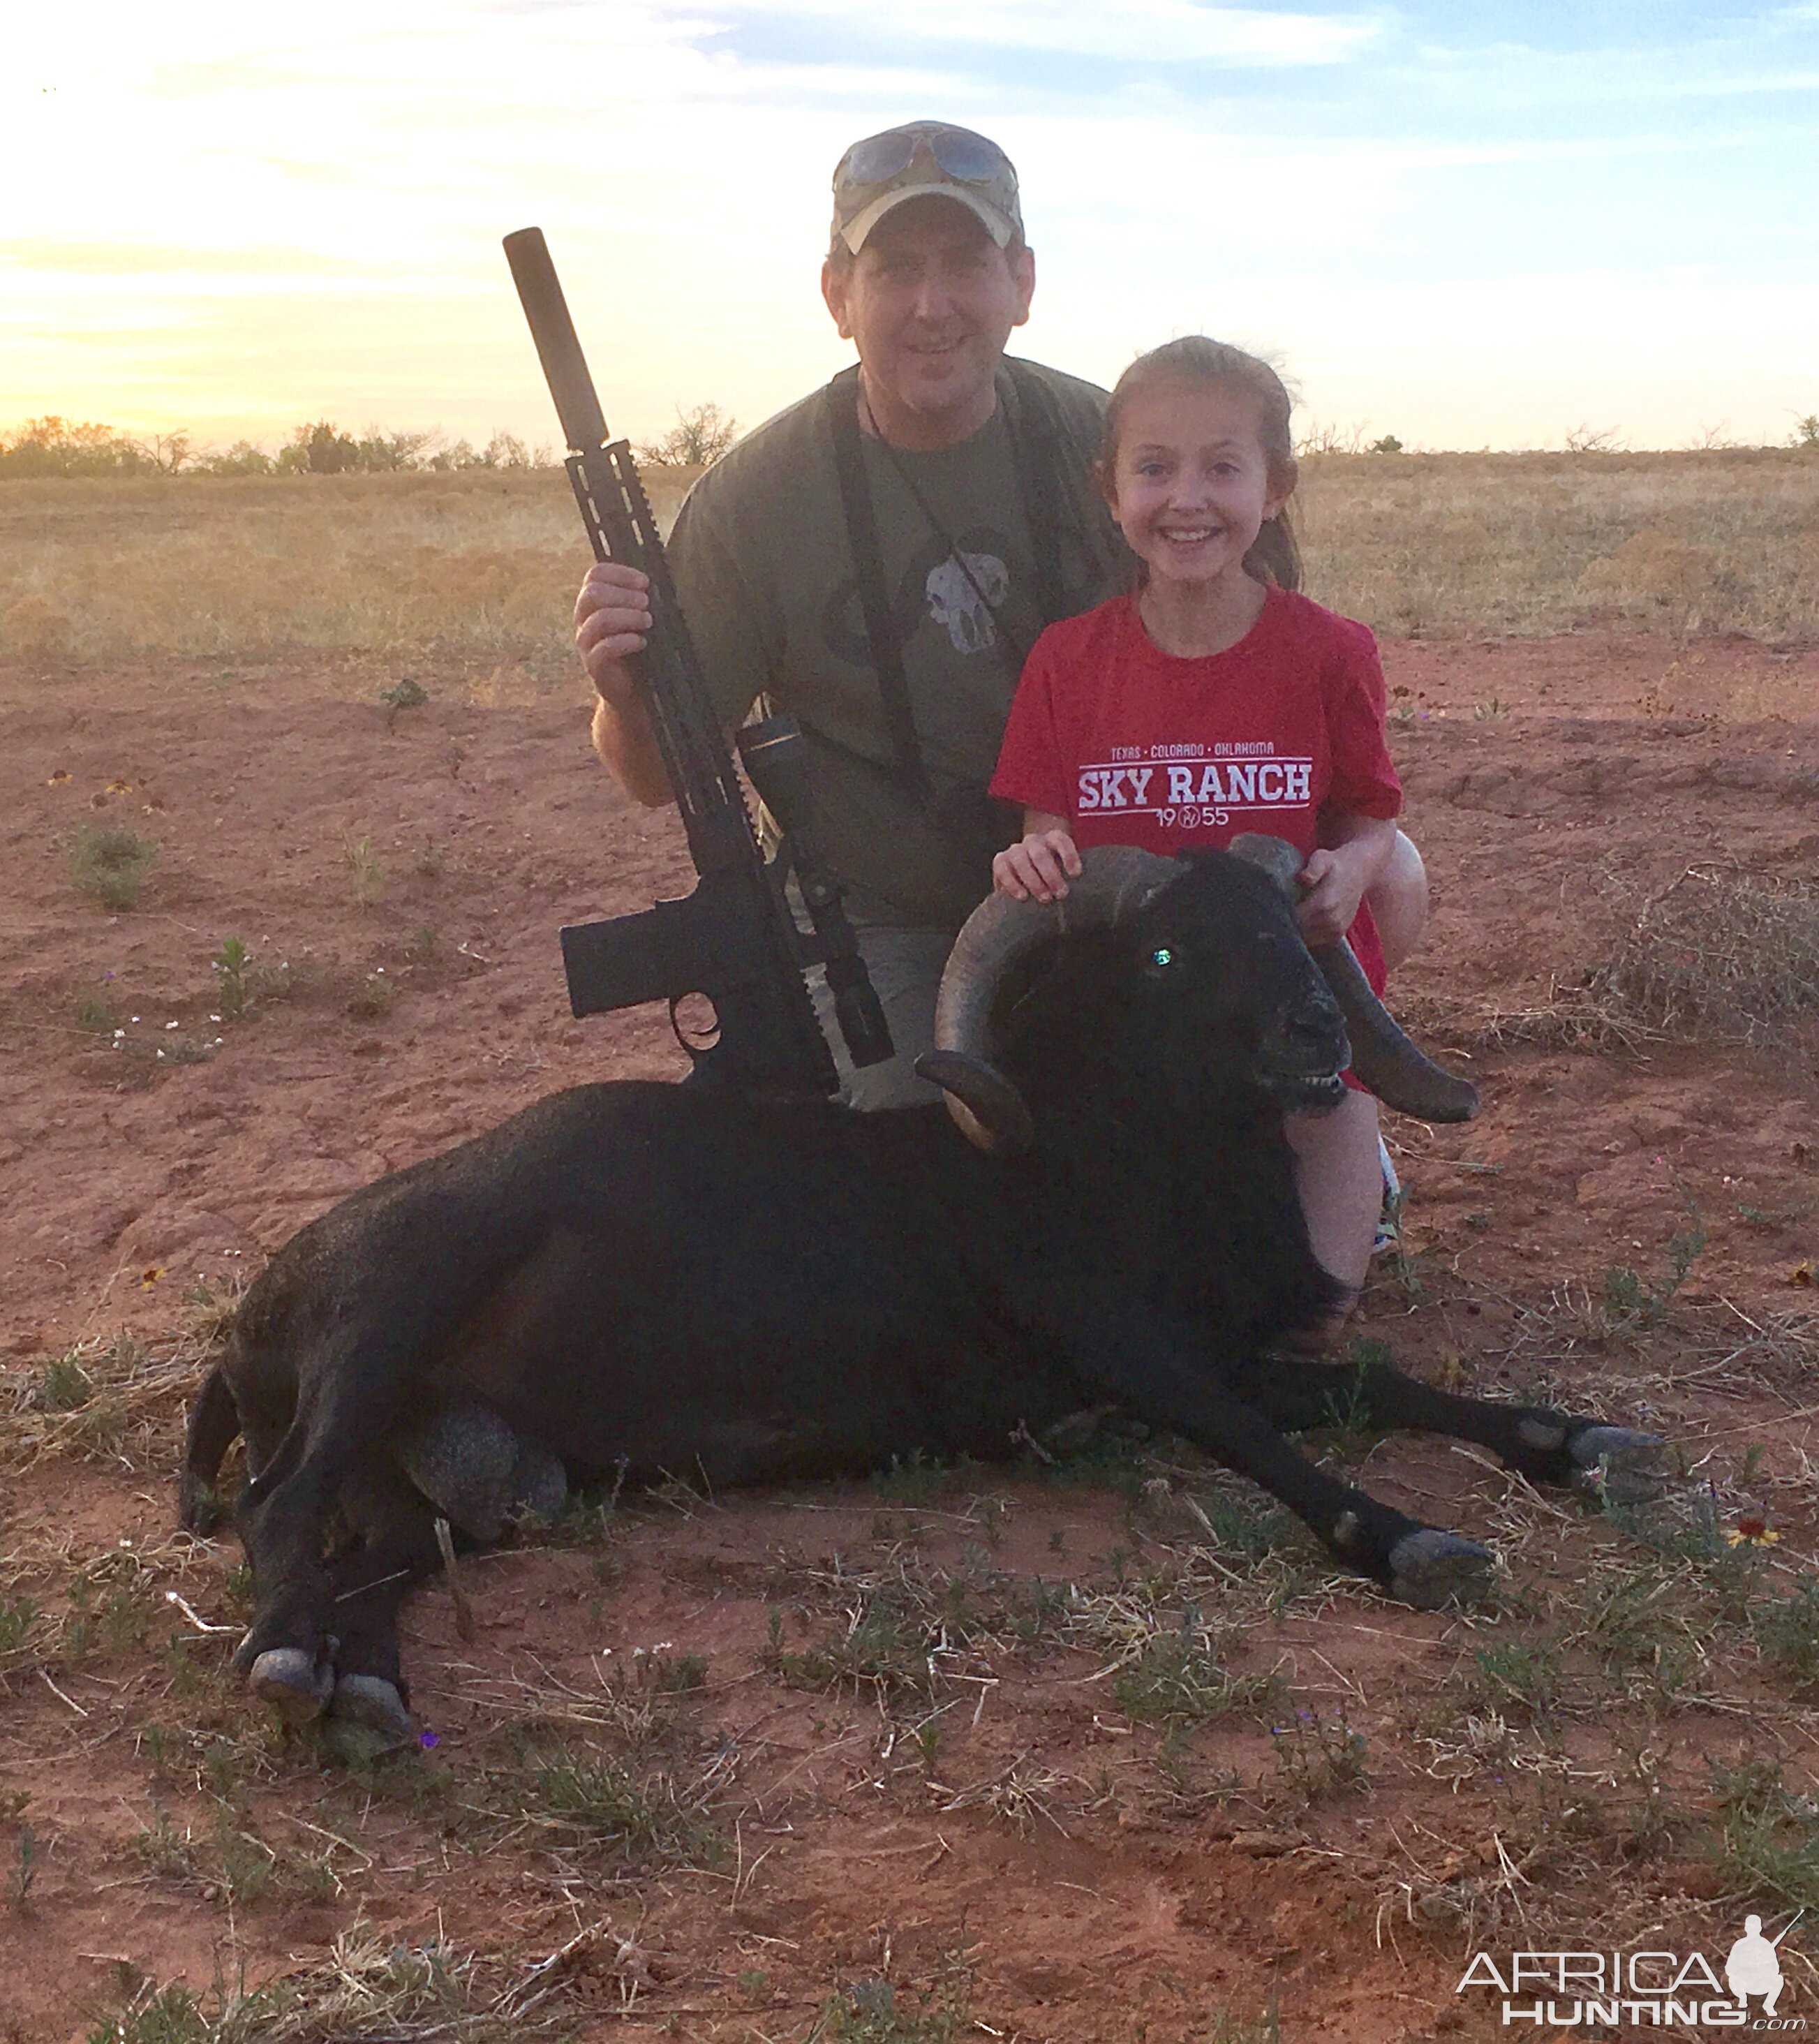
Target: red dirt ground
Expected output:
[1139,1899]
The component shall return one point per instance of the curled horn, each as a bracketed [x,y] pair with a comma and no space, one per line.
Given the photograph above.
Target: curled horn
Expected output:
[1383,1057]
[1115,881]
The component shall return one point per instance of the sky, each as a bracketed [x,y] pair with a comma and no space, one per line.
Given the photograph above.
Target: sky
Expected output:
[1466,223]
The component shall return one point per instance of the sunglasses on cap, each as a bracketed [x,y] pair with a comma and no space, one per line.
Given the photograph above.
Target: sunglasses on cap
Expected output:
[884,170]
[958,153]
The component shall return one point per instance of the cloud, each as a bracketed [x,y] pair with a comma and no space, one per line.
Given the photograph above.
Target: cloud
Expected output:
[134,259]
[1144,31]
[309,205]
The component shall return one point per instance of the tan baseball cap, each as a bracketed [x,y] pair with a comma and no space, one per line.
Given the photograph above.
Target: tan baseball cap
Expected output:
[920,160]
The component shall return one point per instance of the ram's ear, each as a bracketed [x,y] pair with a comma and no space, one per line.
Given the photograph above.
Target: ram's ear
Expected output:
[1273,855]
[1270,855]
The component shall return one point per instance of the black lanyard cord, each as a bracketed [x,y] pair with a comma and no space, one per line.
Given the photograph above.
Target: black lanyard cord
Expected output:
[1036,444]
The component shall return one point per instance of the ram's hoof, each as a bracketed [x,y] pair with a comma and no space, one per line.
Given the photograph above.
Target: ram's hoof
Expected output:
[1430,1569]
[1620,1465]
[373,1704]
[296,1685]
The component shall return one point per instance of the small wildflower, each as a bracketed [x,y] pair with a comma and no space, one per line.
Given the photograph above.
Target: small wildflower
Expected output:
[170,1025]
[429,1740]
[1753,1532]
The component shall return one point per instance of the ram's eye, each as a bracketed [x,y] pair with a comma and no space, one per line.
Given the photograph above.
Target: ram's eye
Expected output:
[1162,955]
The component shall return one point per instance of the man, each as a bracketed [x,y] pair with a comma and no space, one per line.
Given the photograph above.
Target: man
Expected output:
[878,559]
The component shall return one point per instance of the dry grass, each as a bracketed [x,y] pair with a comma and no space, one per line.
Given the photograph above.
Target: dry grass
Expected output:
[480,568]
[1714,954]
[371,1988]
[111,1399]
[1721,951]
[1542,543]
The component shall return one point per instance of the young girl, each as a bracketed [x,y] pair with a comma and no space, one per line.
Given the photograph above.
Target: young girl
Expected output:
[1215,700]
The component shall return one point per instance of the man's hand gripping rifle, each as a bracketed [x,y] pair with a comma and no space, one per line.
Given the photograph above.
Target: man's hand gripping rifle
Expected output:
[734,938]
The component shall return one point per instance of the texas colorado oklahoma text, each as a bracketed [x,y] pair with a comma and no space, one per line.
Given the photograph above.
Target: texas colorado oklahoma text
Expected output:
[1181,776]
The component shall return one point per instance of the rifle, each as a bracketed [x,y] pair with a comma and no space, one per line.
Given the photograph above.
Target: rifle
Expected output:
[734,938]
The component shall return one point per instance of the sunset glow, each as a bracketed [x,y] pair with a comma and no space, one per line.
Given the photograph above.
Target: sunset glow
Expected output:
[1467,226]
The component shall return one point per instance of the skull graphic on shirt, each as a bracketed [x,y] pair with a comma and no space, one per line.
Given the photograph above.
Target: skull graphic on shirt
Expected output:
[962,610]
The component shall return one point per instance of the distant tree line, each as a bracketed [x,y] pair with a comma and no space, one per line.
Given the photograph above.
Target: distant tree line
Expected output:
[65,447]
[54,446]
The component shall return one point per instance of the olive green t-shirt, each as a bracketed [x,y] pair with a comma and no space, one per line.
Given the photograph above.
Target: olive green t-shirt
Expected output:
[765,574]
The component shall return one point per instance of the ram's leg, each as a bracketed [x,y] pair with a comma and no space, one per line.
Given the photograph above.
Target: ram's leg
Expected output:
[1545,1446]
[1168,1383]
[214,1425]
[371,1584]
[285,1513]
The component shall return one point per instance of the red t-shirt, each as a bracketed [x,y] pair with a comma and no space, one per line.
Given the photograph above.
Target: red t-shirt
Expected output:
[1135,746]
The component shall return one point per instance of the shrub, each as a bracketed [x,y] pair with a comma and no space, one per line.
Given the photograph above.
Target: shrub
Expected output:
[35,630]
[111,864]
[1735,953]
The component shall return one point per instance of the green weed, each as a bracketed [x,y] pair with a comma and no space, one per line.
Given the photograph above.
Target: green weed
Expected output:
[1347,1423]
[17,1616]
[882,1648]
[233,963]
[1766,1844]
[1178,1679]
[164,1848]
[1517,1676]
[373,997]
[913,1479]
[62,1386]
[584,1800]
[111,864]
[1321,1758]
[1632,1304]
[871,2012]
[403,693]
[368,874]
[1237,1527]
[1230,2029]
[1787,1633]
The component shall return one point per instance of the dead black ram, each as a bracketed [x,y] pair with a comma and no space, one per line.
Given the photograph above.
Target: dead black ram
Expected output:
[672,1278]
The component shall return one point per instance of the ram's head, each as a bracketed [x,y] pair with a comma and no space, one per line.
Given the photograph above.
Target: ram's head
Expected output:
[1208,961]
